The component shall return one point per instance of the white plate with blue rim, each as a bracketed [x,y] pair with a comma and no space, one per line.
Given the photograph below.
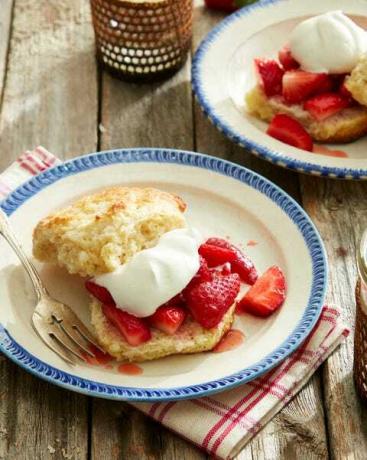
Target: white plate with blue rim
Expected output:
[223,72]
[223,199]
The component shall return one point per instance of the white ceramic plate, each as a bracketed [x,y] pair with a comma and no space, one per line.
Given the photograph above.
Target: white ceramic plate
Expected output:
[223,71]
[224,200]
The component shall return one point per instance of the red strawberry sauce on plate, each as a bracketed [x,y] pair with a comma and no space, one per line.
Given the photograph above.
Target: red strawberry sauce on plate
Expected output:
[322,150]
[129,369]
[232,340]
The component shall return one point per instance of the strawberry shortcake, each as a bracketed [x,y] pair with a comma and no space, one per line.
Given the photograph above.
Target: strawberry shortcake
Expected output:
[157,287]
[316,90]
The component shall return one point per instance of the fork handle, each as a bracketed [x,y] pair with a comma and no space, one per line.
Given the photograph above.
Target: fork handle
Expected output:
[9,235]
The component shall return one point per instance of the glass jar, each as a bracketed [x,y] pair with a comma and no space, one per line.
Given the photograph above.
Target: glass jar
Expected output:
[139,40]
[360,337]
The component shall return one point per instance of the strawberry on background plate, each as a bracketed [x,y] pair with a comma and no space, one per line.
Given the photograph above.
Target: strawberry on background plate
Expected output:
[266,295]
[270,76]
[325,105]
[286,59]
[288,130]
[227,5]
[299,85]
[209,301]
[134,330]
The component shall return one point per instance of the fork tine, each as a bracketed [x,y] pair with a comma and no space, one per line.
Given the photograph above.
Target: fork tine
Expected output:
[72,335]
[84,332]
[64,340]
[68,317]
[52,344]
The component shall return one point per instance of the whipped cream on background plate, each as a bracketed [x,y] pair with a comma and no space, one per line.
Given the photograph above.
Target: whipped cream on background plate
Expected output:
[330,43]
[153,276]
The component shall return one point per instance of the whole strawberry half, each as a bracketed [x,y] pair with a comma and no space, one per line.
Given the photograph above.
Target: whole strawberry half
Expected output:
[209,301]
[134,330]
[242,264]
[266,295]
[227,5]
[99,292]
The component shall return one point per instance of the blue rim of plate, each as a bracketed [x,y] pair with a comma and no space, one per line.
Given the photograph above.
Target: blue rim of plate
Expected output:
[257,149]
[308,231]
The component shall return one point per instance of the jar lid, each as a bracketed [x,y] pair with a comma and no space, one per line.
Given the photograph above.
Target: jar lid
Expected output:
[362,258]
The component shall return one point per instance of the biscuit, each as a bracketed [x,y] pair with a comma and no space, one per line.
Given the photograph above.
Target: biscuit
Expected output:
[101,231]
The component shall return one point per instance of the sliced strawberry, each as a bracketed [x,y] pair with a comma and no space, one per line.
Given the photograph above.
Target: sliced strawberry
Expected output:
[134,330]
[215,255]
[168,318]
[266,295]
[325,105]
[270,75]
[209,301]
[241,265]
[289,131]
[286,59]
[203,274]
[299,85]
[99,292]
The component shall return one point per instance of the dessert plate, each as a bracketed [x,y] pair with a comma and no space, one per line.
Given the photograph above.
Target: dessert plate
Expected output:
[222,73]
[225,200]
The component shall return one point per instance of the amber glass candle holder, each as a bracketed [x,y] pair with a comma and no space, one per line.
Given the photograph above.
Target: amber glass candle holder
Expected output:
[142,40]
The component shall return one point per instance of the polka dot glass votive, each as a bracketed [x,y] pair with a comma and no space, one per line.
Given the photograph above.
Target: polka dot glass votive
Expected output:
[142,40]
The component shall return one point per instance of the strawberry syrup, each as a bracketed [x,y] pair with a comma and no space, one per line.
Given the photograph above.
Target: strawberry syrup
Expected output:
[252,243]
[104,360]
[232,340]
[322,150]
[101,359]
[129,369]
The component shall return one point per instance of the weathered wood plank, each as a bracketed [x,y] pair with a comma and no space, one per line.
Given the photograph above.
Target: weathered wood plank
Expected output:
[154,115]
[50,98]
[299,430]
[51,90]
[339,211]
[5,21]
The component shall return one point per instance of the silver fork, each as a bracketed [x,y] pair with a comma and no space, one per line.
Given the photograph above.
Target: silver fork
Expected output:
[55,323]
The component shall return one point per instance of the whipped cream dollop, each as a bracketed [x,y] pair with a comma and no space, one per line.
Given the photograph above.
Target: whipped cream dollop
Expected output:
[155,275]
[329,43]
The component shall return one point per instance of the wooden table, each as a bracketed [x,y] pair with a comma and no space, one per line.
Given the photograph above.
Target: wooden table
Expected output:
[52,93]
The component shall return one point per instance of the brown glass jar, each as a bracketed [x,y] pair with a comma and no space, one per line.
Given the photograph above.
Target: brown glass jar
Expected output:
[360,337]
[141,40]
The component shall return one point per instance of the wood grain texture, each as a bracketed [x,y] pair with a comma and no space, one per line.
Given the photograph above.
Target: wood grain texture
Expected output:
[148,115]
[6,8]
[50,98]
[339,212]
[299,430]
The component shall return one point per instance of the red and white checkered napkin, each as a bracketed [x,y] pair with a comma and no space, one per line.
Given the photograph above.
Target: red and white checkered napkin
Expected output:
[223,423]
